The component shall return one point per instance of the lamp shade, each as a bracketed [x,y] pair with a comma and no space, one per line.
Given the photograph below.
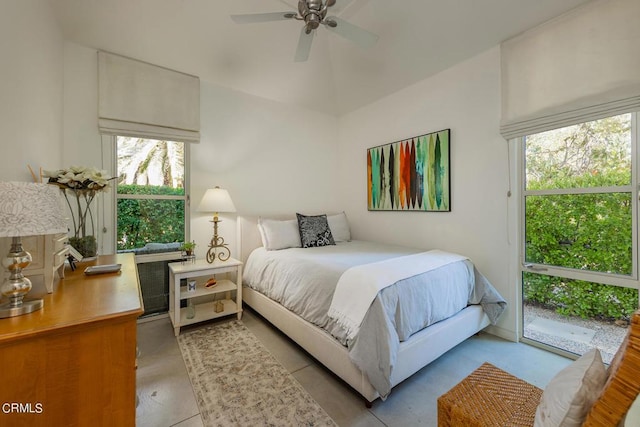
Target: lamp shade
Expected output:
[30,209]
[216,200]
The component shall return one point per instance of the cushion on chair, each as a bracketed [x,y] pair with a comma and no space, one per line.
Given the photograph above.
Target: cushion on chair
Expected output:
[623,384]
[570,394]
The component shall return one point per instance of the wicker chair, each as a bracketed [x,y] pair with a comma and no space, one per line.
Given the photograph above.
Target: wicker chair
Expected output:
[513,402]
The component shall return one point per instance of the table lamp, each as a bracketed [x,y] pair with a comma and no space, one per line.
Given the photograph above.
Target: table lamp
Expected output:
[217,200]
[26,209]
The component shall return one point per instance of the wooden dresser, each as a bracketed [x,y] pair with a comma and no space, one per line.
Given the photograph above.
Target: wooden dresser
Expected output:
[73,362]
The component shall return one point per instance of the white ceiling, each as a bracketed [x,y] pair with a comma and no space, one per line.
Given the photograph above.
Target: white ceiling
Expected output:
[417,38]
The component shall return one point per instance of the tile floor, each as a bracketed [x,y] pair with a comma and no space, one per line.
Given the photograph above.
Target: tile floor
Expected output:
[166,397]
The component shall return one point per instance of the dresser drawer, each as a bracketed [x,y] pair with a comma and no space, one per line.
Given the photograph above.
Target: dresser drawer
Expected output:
[59,257]
[59,241]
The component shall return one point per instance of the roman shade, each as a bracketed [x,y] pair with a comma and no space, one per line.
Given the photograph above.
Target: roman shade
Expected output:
[581,66]
[144,100]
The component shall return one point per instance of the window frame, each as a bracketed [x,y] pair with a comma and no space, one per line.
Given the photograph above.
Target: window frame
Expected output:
[110,210]
[627,281]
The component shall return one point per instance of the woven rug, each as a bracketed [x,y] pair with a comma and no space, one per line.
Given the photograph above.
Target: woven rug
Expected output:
[237,382]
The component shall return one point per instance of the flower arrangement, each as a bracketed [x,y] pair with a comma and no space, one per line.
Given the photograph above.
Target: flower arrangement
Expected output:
[82,184]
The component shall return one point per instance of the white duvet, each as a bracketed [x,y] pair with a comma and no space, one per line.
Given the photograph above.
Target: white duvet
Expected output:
[304,281]
[358,286]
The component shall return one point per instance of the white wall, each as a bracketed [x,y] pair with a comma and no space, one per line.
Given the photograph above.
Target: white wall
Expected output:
[275,158]
[272,157]
[31,86]
[465,99]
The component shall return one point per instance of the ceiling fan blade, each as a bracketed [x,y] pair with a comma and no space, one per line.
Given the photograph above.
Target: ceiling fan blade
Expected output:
[359,36]
[251,18]
[304,45]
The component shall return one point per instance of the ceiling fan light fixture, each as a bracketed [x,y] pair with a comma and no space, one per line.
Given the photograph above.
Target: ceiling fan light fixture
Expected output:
[313,13]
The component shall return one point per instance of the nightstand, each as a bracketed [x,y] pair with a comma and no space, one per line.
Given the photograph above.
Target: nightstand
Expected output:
[209,303]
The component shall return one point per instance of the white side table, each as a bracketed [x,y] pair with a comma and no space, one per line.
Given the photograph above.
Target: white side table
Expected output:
[204,298]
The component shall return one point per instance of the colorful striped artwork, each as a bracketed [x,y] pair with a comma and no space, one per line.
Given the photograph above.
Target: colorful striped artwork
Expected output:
[410,175]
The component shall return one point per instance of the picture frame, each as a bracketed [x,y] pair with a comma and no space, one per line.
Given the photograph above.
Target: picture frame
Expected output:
[413,174]
[75,253]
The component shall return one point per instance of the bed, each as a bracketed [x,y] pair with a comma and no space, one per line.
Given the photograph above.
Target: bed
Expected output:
[324,340]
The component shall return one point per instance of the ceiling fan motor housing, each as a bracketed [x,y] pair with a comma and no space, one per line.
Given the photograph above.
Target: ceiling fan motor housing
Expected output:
[313,12]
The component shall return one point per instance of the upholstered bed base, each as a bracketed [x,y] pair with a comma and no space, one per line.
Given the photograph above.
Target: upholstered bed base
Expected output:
[421,349]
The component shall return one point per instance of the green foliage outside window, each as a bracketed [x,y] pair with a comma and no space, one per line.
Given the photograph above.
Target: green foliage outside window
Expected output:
[142,221]
[587,231]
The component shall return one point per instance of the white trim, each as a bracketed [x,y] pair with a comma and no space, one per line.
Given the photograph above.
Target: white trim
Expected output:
[107,242]
[551,120]
[109,148]
[583,190]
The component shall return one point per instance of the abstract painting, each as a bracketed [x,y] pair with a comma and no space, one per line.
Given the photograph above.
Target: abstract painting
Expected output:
[410,175]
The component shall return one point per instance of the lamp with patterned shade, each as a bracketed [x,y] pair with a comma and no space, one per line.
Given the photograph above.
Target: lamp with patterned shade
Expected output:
[26,209]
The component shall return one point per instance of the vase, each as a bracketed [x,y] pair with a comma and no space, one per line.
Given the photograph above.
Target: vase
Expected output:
[191,310]
[86,245]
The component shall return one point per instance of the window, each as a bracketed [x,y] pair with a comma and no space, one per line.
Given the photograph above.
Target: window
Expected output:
[151,196]
[580,243]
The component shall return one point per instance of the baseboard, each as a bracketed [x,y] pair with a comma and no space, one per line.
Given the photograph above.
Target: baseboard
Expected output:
[506,334]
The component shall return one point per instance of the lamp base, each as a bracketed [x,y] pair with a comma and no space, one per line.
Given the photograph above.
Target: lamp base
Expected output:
[26,307]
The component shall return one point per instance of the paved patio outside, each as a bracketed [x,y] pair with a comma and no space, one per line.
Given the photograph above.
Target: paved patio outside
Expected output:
[573,334]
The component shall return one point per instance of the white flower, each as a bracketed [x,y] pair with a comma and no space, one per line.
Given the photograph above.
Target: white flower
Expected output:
[79,178]
[83,184]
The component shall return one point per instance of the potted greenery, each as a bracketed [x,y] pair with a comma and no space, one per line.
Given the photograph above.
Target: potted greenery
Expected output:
[188,247]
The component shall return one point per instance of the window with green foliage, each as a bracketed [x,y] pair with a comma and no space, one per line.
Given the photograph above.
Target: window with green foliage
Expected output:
[151,194]
[580,222]
[580,234]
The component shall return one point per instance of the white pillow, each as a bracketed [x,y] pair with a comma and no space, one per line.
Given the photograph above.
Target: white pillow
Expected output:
[279,234]
[339,227]
[572,392]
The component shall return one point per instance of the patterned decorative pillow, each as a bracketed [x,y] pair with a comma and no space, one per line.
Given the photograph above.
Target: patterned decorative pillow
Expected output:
[314,231]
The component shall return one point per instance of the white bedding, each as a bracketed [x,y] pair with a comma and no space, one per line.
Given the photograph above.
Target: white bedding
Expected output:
[358,286]
[304,281]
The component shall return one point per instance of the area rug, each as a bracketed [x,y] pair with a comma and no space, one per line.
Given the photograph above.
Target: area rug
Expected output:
[237,382]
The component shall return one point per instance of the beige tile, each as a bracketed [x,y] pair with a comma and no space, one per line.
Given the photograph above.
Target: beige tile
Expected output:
[163,386]
[167,399]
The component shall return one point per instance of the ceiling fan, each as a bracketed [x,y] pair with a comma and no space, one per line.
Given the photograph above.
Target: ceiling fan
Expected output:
[314,14]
